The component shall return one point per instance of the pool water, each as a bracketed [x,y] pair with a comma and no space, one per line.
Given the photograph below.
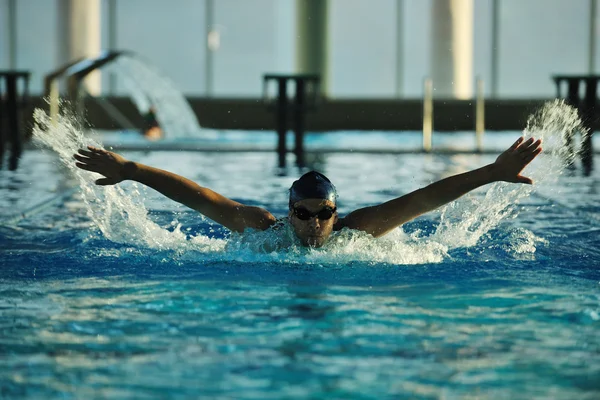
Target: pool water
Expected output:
[120,293]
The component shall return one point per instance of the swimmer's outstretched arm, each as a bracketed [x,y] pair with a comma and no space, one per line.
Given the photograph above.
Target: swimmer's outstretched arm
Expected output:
[381,219]
[229,213]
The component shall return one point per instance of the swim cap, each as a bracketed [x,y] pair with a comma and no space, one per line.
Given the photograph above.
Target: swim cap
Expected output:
[312,185]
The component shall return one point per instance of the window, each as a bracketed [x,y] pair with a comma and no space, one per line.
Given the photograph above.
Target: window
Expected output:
[170,35]
[37,40]
[539,38]
[255,37]
[363,48]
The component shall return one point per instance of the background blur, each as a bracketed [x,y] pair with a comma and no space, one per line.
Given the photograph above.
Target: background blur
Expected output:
[376,48]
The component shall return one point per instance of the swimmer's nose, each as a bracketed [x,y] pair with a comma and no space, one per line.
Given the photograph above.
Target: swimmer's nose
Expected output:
[315,223]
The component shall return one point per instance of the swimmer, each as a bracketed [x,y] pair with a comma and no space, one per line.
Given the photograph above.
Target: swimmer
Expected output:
[151,129]
[313,214]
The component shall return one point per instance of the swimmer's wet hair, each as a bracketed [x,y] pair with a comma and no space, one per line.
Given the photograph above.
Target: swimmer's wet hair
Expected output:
[312,185]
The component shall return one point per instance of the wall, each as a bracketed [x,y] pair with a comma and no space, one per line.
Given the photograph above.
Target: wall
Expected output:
[347,114]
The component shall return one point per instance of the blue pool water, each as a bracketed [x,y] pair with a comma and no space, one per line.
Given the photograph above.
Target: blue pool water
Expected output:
[119,293]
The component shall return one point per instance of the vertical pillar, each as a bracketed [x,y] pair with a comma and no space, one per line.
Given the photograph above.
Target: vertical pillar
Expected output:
[312,39]
[399,47]
[479,115]
[452,49]
[80,31]
[573,100]
[11,102]
[282,104]
[112,42]
[212,45]
[592,43]
[427,115]
[12,111]
[12,34]
[299,113]
[495,58]
[2,124]
[588,114]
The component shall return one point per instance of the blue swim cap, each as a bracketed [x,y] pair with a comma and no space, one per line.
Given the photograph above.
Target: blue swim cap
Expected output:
[312,185]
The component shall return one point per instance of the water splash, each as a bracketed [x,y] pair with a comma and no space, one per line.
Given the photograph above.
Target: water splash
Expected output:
[122,217]
[466,220]
[173,112]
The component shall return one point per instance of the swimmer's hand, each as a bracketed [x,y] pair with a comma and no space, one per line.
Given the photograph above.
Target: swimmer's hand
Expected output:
[114,167]
[508,165]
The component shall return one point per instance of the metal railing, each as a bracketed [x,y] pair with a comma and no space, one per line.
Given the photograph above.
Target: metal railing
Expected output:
[428,115]
[75,71]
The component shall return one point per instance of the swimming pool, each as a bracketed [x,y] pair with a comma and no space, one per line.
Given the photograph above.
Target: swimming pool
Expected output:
[119,293]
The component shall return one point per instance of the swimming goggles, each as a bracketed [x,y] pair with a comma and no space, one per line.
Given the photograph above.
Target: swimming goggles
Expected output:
[323,214]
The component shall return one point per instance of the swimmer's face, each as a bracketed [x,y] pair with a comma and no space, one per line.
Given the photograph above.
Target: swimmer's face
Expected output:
[314,231]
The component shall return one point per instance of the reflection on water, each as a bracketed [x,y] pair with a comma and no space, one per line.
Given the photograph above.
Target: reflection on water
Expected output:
[431,334]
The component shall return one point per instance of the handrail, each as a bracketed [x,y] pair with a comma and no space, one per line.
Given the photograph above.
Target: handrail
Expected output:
[427,114]
[52,91]
[479,115]
[76,70]
[113,111]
